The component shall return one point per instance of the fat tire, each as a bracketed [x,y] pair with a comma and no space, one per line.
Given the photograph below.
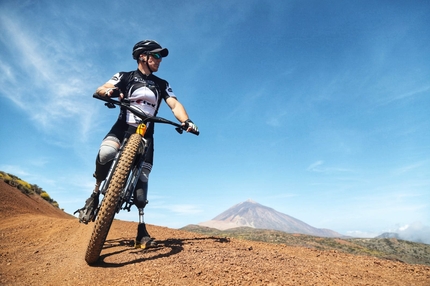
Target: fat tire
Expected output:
[109,204]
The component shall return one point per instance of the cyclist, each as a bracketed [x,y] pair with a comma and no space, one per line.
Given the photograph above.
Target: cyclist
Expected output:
[145,91]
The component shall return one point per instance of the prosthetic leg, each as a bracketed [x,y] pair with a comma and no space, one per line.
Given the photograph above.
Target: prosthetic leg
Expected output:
[143,239]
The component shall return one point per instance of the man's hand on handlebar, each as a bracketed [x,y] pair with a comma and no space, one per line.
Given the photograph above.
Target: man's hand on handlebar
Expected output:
[191,127]
[114,92]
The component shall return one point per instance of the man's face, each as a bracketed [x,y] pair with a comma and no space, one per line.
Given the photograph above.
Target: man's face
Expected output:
[154,61]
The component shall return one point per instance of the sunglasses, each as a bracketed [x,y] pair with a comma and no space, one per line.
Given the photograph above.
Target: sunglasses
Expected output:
[156,55]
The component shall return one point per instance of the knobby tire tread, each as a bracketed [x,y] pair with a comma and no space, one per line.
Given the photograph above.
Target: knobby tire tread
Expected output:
[109,204]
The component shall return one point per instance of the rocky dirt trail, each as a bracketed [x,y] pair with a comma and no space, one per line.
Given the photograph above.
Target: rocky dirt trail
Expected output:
[41,245]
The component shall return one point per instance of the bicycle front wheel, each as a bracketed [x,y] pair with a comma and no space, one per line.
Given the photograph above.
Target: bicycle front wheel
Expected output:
[109,204]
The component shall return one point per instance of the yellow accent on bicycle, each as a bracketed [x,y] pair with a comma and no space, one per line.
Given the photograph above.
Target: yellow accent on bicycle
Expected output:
[141,129]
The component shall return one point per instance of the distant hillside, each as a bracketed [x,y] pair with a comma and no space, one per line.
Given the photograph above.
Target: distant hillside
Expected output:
[389,235]
[386,248]
[26,188]
[254,215]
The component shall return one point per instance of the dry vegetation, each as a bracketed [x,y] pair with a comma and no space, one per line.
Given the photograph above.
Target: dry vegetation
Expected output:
[386,248]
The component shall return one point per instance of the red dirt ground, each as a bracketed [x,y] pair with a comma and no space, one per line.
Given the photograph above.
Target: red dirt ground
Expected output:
[41,245]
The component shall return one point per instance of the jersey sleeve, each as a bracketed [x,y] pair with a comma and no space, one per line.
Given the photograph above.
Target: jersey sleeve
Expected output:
[118,80]
[168,92]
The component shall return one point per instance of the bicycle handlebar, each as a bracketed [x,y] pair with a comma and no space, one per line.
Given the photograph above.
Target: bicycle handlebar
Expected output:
[110,103]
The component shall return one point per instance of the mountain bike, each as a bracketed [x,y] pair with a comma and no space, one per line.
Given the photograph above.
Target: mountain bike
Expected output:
[118,187]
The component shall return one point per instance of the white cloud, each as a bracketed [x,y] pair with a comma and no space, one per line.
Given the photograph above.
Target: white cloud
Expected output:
[185,209]
[361,234]
[282,196]
[275,120]
[415,231]
[54,85]
[14,170]
[180,209]
[314,167]
[408,168]
[415,92]
[317,167]
[6,72]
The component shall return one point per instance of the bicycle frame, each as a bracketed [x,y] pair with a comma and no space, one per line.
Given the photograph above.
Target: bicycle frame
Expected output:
[127,192]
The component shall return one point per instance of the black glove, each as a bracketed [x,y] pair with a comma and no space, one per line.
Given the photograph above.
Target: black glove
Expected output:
[191,127]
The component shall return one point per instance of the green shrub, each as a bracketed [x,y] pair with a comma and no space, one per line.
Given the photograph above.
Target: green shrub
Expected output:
[45,196]
[24,189]
[37,189]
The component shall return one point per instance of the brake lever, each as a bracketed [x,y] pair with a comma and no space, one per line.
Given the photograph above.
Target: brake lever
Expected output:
[110,105]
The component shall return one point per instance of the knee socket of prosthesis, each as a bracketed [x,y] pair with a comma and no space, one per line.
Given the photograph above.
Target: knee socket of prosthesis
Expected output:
[141,194]
[141,190]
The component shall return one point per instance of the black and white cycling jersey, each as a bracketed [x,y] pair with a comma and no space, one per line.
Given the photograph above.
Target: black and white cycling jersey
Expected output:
[144,92]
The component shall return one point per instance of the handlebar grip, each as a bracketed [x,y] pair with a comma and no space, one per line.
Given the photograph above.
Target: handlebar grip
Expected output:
[104,98]
[116,92]
[185,127]
[95,95]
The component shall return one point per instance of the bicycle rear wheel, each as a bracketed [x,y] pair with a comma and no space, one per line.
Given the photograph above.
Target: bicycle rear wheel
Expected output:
[109,204]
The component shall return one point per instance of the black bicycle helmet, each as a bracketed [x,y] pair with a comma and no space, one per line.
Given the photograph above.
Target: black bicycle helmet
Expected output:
[148,46]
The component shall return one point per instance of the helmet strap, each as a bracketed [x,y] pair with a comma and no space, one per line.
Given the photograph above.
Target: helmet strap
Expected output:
[147,58]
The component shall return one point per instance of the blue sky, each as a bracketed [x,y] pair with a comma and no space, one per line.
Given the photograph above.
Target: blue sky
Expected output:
[318,109]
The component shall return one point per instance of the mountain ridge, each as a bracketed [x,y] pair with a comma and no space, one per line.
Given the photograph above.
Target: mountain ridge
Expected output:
[252,214]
